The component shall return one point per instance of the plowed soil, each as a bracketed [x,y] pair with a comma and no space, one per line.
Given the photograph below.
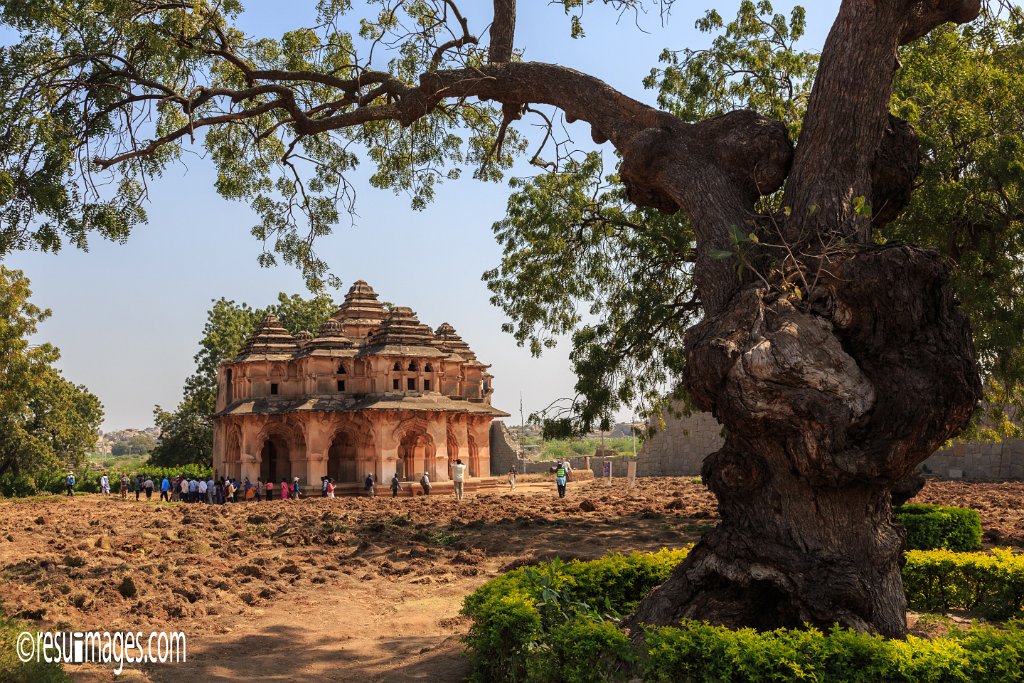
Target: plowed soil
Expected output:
[348,589]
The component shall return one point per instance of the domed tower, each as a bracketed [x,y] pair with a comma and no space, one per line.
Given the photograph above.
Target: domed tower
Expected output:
[361,313]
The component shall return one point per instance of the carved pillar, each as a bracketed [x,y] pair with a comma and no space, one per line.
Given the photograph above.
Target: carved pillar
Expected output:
[437,432]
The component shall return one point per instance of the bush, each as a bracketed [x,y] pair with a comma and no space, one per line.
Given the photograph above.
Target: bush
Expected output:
[931,527]
[514,612]
[551,623]
[990,584]
[13,670]
[699,652]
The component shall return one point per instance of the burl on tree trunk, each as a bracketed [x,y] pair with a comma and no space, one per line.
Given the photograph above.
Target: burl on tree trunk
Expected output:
[826,402]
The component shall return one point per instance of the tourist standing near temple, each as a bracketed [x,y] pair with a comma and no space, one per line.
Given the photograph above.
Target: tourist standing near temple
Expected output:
[425,483]
[105,485]
[202,488]
[165,490]
[284,489]
[148,485]
[512,478]
[458,478]
[323,487]
[69,481]
[269,486]
[330,488]
[368,486]
[394,486]
[295,488]
[125,482]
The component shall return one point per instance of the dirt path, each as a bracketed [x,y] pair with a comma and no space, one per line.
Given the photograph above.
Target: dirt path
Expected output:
[344,589]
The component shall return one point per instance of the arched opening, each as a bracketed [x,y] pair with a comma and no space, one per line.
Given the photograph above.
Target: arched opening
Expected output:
[474,458]
[232,454]
[413,367]
[428,368]
[453,448]
[341,459]
[341,368]
[275,461]
[412,456]
[398,367]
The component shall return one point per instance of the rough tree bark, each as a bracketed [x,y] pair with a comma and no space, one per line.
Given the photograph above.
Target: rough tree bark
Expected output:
[828,397]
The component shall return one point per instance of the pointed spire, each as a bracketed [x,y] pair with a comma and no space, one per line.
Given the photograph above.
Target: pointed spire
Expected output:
[331,337]
[451,342]
[402,328]
[271,337]
[361,306]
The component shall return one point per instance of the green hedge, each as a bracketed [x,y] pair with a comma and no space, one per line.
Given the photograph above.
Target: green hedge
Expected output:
[931,527]
[551,623]
[990,584]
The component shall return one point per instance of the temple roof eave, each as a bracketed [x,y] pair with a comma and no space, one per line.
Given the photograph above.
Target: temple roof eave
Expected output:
[285,405]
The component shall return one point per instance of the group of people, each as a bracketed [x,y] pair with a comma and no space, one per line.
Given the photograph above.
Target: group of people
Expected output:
[196,490]
[228,490]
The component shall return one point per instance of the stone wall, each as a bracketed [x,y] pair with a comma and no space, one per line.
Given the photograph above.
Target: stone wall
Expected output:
[979,460]
[579,463]
[504,449]
[678,448]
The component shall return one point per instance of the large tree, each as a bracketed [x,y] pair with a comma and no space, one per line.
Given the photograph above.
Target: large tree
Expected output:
[47,423]
[834,363]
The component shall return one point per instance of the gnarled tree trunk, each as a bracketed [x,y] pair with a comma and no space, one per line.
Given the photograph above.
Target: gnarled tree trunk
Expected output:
[836,371]
[827,401]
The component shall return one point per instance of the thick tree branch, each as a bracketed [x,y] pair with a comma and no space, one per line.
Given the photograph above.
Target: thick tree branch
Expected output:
[845,125]
[503,30]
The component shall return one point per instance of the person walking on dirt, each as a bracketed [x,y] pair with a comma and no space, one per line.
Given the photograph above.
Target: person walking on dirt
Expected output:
[394,486]
[458,478]
[284,489]
[425,483]
[323,487]
[138,486]
[201,487]
[561,477]
[368,486]
[105,485]
[269,487]
[512,479]
[261,489]
[148,485]
[330,488]
[125,483]
[295,488]
[69,481]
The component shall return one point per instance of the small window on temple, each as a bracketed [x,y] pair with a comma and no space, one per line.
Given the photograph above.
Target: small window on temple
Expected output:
[341,385]
[395,384]
[413,366]
[411,384]
[426,385]
[273,388]
[398,366]
[341,368]
[428,368]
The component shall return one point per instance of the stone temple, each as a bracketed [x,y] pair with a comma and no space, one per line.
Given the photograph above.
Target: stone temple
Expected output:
[374,392]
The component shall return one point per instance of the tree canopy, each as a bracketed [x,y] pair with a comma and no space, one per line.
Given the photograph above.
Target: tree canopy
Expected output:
[186,433]
[47,423]
[100,97]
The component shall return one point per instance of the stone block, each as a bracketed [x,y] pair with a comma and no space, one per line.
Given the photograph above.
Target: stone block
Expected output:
[954,473]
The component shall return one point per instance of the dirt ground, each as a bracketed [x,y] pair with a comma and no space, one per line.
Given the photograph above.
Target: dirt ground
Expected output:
[349,589]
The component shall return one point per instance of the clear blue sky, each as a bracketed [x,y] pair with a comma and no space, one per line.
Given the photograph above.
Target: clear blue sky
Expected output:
[128,318]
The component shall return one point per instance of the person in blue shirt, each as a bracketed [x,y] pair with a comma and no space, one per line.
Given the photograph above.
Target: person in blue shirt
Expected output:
[165,490]
[69,481]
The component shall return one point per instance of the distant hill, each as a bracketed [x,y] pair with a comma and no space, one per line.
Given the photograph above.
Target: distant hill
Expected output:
[127,440]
